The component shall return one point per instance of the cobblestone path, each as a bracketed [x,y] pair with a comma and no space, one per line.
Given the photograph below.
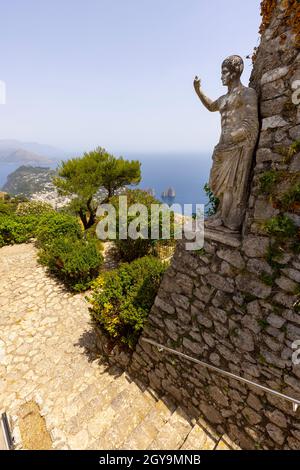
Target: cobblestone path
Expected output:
[48,356]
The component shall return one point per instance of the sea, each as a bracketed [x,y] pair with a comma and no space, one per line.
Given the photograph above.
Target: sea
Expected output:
[185,173]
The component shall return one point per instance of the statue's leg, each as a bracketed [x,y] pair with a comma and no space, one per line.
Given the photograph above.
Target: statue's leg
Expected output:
[226,206]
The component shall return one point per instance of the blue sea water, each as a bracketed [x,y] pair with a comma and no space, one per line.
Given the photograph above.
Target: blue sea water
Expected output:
[187,174]
[5,170]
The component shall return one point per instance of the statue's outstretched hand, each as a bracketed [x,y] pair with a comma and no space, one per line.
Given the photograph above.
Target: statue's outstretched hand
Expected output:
[197,83]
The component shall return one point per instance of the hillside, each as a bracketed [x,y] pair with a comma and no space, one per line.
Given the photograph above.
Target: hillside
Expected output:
[27,180]
[29,152]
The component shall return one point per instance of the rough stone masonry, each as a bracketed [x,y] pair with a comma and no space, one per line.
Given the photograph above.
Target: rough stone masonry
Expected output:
[233,304]
[219,305]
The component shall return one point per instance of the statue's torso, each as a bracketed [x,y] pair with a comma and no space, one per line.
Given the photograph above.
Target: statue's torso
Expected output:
[234,109]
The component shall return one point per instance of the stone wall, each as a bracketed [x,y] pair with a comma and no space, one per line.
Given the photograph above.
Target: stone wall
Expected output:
[235,304]
[275,74]
[215,307]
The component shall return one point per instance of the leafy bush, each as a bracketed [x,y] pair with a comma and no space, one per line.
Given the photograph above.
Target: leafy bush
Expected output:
[290,200]
[268,181]
[131,249]
[295,147]
[213,201]
[34,208]
[8,205]
[5,208]
[56,225]
[74,261]
[281,227]
[14,229]
[122,299]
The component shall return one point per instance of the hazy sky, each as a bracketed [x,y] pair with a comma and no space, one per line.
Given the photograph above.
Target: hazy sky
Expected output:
[119,73]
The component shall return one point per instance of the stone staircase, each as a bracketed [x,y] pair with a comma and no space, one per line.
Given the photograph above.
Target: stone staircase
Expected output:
[129,417]
[54,385]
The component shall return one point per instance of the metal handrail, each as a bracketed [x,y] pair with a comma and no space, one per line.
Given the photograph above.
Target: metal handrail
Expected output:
[161,347]
[9,441]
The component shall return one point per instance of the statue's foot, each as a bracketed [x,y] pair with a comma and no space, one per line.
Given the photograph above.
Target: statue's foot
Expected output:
[233,229]
[213,222]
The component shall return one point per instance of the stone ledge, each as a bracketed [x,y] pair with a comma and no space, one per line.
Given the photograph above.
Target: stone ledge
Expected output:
[223,237]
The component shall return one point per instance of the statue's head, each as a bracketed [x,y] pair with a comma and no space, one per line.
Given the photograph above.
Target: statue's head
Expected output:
[232,68]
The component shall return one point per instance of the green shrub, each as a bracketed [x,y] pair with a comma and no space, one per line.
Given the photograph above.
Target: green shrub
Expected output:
[290,201]
[5,208]
[268,279]
[53,226]
[122,299]
[268,181]
[295,147]
[14,229]
[213,201]
[34,208]
[131,249]
[75,261]
[9,205]
[281,227]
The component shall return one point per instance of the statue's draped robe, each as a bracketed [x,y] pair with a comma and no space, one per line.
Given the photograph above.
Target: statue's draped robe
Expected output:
[232,162]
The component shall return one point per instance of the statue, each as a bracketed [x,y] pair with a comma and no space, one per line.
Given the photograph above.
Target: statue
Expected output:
[232,157]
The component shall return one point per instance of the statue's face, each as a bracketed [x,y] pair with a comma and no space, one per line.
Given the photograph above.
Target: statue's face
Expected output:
[226,76]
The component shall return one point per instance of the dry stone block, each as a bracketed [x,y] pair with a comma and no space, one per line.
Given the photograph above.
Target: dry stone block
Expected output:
[183,316]
[219,282]
[292,274]
[266,155]
[295,132]
[251,285]
[277,418]
[232,257]
[218,314]
[286,284]
[275,433]
[251,416]
[164,306]
[273,75]
[274,106]
[249,322]
[243,340]
[293,332]
[295,163]
[255,247]
[210,413]
[264,210]
[184,283]
[201,318]
[275,320]
[181,301]
[208,339]
[273,90]
[218,396]
[286,300]
[215,359]
[273,122]
[192,346]
[258,266]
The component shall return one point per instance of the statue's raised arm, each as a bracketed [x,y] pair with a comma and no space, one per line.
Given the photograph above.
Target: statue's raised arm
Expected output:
[208,103]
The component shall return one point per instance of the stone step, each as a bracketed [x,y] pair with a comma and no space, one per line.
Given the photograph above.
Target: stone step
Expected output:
[173,433]
[102,413]
[130,408]
[226,443]
[146,432]
[199,439]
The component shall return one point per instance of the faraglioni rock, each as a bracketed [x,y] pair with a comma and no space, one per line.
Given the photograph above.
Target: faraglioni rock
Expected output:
[232,157]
